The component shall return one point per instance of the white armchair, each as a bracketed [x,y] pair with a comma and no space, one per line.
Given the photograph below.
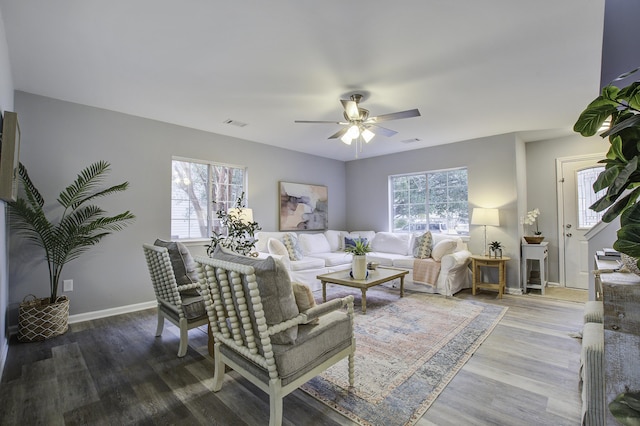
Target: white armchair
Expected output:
[259,334]
[180,304]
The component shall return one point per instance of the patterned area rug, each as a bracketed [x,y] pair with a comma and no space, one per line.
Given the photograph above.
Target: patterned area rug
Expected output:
[407,351]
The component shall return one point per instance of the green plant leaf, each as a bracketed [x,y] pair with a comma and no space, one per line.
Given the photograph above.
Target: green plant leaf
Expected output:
[615,149]
[592,118]
[628,241]
[606,177]
[621,206]
[629,121]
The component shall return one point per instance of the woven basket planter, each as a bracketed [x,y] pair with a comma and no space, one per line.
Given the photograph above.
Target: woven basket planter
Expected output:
[40,320]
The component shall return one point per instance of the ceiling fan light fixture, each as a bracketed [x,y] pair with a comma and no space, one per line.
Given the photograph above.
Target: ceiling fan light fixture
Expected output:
[367,135]
[346,138]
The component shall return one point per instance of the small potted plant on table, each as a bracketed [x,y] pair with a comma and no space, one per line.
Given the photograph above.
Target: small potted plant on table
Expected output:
[495,249]
[359,249]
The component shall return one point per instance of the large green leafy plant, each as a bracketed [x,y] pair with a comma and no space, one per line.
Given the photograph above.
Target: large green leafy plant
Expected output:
[81,225]
[621,177]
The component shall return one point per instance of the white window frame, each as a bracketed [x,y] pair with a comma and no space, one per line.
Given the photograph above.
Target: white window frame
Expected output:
[415,227]
[212,206]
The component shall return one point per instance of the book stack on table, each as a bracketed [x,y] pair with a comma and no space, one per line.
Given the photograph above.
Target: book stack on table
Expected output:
[608,254]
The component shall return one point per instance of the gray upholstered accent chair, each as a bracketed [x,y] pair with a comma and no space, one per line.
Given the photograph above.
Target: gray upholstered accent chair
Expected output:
[180,304]
[262,336]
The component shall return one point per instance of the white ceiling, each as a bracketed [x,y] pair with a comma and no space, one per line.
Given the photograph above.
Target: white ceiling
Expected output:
[473,68]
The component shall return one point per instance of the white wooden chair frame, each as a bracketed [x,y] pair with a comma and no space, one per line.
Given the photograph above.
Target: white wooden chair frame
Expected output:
[167,293]
[221,285]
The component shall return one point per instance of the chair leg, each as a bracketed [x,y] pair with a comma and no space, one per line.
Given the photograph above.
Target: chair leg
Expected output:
[160,326]
[184,338]
[275,403]
[218,368]
[351,369]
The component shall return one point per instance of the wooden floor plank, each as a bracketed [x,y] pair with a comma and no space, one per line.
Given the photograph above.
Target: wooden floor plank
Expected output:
[115,371]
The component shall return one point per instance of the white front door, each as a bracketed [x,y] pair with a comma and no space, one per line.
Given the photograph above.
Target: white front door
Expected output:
[575,219]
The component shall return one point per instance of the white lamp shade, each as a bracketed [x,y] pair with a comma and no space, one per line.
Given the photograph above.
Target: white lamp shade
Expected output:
[244,215]
[487,217]
[367,135]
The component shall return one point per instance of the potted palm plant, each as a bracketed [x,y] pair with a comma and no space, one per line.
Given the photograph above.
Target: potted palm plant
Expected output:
[359,249]
[80,227]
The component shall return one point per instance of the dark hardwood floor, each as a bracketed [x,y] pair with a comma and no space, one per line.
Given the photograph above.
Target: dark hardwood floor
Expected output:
[113,371]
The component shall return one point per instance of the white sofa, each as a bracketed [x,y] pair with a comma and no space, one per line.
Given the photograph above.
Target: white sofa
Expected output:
[324,252]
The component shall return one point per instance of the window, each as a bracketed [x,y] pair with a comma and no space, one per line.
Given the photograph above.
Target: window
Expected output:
[198,191]
[434,201]
[586,197]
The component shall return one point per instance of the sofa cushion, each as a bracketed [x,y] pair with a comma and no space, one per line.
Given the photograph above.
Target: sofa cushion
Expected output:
[291,243]
[422,246]
[182,263]
[443,248]
[276,247]
[308,262]
[276,293]
[334,258]
[335,239]
[313,243]
[389,242]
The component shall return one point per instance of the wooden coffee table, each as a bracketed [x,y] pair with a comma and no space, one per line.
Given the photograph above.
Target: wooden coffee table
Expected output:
[381,275]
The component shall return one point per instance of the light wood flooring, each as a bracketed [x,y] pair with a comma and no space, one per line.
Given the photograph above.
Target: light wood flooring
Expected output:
[113,371]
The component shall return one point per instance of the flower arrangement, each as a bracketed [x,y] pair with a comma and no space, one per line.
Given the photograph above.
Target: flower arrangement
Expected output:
[495,245]
[532,218]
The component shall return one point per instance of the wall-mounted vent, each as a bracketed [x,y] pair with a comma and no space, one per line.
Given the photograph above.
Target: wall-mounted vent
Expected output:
[235,123]
[412,140]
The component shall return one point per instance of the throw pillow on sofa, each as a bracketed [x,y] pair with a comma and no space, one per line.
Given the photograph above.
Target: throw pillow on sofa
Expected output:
[277,248]
[443,248]
[291,243]
[422,246]
[351,242]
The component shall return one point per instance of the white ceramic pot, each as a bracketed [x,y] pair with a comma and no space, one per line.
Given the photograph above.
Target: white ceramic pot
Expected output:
[359,267]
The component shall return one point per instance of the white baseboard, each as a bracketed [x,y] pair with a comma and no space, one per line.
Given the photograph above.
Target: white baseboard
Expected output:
[112,311]
[100,314]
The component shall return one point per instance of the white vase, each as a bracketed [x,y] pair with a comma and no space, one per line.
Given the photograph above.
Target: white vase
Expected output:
[359,267]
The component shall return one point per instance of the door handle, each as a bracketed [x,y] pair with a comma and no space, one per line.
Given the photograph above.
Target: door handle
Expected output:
[568,226]
[568,234]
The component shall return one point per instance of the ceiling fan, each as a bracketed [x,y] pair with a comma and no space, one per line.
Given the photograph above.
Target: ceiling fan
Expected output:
[359,126]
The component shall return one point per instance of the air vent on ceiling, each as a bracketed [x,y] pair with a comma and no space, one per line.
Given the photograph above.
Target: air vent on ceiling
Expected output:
[412,140]
[235,123]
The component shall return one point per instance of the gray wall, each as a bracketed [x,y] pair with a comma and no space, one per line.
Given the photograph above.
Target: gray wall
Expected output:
[491,164]
[60,138]
[6,104]
[541,188]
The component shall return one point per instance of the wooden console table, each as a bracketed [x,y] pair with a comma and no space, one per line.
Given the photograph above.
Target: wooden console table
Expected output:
[477,262]
[532,253]
[621,296]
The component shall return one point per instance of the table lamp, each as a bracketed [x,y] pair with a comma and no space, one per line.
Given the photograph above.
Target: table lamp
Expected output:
[485,217]
[244,214]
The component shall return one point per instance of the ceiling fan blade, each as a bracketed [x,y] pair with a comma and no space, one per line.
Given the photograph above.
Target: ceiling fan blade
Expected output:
[339,133]
[351,109]
[321,122]
[394,116]
[379,130]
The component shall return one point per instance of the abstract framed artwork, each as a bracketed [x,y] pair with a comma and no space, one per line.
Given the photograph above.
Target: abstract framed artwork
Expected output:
[303,207]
